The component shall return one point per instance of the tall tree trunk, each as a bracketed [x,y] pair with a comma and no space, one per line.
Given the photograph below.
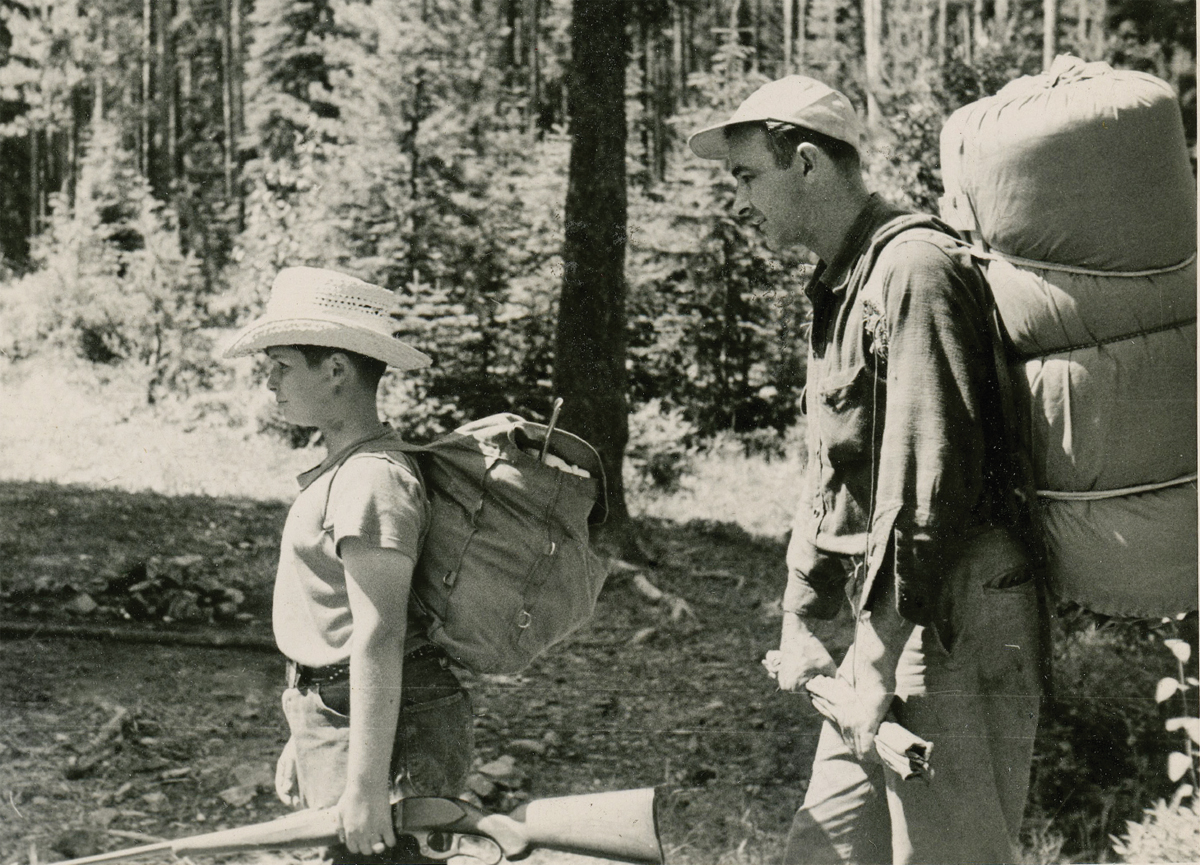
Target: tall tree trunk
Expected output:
[590,341]
[788,6]
[964,21]
[144,126]
[755,24]
[1049,32]
[98,95]
[160,174]
[1000,27]
[171,97]
[943,28]
[35,185]
[78,104]
[535,65]
[679,70]
[237,122]
[227,97]
[661,100]
[873,37]
[1099,36]
[687,30]
[644,124]
[415,226]
[801,58]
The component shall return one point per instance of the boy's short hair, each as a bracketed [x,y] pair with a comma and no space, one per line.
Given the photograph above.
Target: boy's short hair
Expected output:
[369,369]
[784,138]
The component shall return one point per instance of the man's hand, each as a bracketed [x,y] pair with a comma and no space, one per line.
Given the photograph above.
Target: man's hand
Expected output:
[856,710]
[801,655]
[287,784]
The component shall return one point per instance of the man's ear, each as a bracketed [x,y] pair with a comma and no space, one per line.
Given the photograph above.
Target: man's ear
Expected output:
[808,156]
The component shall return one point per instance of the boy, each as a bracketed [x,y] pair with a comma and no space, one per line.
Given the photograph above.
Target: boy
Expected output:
[371,702]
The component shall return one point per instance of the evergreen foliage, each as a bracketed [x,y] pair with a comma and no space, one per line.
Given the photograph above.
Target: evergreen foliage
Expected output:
[419,144]
[111,281]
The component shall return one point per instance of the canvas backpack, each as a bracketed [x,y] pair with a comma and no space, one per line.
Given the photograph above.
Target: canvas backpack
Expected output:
[506,570]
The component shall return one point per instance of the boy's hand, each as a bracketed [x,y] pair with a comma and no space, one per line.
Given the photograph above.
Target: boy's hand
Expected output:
[365,822]
[287,784]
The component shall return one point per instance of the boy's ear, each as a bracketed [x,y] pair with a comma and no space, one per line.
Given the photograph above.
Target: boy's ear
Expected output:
[338,365]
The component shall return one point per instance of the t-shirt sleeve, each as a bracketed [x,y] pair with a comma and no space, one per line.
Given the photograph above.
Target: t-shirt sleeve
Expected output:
[379,500]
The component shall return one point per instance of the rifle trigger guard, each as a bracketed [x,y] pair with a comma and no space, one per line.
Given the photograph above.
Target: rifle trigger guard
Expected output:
[442,844]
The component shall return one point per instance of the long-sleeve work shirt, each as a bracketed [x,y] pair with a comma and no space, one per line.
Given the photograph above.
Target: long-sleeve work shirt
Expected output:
[904,436]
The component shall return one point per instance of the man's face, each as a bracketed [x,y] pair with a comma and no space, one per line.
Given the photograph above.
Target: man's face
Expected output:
[301,392]
[769,197]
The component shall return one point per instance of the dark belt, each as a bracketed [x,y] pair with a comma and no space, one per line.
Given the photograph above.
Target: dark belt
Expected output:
[300,676]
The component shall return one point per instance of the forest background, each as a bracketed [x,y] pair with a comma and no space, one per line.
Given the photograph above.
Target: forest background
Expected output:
[164,158]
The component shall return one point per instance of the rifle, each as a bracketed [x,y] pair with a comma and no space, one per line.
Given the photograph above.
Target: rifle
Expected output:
[618,825]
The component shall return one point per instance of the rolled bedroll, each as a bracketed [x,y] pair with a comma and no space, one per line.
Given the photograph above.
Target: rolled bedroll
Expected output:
[1077,187]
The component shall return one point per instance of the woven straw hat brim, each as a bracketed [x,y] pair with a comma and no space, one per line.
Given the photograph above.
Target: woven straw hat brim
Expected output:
[268,333]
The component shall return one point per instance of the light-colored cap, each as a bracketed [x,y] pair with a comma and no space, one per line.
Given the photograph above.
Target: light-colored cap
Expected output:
[795,99]
[312,306]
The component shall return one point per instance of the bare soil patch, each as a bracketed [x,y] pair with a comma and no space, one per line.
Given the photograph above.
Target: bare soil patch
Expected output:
[105,743]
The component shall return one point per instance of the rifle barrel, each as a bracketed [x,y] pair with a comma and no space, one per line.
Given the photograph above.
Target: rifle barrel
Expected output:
[128,853]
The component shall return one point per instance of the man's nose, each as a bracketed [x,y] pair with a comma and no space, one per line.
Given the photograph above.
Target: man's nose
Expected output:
[742,208]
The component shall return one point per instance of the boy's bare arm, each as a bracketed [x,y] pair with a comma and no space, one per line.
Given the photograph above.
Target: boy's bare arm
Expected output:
[377,581]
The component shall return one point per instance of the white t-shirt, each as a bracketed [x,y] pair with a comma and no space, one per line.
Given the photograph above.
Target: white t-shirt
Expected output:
[375,494]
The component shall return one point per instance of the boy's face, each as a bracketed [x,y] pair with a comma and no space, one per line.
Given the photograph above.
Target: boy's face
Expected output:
[303,393]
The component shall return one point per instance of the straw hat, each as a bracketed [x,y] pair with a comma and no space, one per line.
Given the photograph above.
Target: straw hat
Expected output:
[796,99]
[312,306]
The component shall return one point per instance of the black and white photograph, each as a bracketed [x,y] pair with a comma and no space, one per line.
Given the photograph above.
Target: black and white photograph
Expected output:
[575,432]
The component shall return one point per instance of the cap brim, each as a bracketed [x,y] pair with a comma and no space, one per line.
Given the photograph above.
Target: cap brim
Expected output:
[710,142]
[269,333]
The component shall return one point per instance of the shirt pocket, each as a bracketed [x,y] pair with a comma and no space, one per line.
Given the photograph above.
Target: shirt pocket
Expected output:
[845,417]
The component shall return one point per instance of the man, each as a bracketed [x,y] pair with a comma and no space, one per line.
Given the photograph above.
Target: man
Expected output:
[908,509]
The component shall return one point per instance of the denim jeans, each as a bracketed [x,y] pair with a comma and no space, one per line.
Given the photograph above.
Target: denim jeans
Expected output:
[431,752]
[977,701]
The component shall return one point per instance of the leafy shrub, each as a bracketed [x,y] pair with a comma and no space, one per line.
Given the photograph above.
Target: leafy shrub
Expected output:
[1102,743]
[661,448]
[1168,832]
[111,281]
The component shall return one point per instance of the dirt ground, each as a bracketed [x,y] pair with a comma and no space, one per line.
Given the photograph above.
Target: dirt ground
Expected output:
[106,744]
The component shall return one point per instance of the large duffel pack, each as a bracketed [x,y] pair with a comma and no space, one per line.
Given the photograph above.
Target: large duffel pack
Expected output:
[1077,183]
[506,570]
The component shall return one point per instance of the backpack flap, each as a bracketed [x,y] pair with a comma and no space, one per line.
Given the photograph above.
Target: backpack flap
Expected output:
[571,449]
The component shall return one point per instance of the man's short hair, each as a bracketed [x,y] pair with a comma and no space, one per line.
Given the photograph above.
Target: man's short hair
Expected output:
[369,369]
[784,138]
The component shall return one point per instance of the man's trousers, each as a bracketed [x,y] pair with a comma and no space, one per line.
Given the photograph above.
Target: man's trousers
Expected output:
[977,703]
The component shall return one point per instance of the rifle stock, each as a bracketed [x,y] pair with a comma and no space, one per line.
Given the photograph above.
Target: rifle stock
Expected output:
[618,825]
